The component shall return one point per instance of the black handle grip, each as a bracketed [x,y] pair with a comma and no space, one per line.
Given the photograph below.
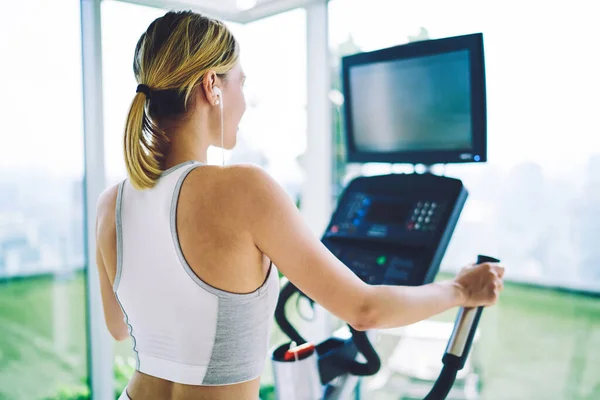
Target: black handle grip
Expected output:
[483,259]
[286,327]
[372,364]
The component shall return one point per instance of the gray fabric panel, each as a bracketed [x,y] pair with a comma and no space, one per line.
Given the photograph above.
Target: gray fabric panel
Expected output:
[176,167]
[241,340]
[119,227]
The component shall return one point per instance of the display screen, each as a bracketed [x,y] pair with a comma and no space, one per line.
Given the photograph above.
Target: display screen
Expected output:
[381,212]
[416,104]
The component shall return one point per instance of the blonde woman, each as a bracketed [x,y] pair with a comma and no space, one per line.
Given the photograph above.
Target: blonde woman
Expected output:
[187,252]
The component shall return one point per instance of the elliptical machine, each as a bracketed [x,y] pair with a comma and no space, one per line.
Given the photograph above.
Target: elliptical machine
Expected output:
[381,246]
[423,102]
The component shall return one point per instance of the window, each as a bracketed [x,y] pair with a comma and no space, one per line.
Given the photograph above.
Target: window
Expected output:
[43,342]
[273,130]
[535,204]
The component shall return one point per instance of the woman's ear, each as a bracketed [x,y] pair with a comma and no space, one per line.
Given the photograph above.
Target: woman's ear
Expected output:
[208,83]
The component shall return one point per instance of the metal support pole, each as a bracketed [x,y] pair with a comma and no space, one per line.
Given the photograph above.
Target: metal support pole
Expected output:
[100,349]
[318,164]
[316,195]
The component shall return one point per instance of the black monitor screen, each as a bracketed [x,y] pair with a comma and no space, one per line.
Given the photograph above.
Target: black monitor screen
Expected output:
[416,104]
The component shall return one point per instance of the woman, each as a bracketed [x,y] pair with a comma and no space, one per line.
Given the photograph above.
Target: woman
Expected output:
[187,252]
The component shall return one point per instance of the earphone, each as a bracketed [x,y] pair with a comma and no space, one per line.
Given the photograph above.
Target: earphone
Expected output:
[219,101]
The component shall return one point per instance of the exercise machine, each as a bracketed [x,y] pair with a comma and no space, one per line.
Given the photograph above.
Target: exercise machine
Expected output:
[394,229]
[391,230]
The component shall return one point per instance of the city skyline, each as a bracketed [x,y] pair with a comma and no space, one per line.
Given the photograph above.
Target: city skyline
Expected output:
[543,227]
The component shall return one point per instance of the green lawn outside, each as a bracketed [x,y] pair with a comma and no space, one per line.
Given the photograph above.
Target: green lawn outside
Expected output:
[535,344]
[42,336]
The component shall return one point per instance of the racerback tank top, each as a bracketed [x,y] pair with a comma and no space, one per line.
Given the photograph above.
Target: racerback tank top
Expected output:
[183,329]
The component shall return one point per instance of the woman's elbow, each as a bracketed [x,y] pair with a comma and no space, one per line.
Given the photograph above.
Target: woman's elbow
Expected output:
[365,316]
[119,337]
[118,330]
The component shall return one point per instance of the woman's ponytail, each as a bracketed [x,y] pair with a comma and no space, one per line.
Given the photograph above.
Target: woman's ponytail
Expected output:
[146,146]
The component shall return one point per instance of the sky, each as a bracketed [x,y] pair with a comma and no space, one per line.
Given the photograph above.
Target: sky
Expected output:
[542,76]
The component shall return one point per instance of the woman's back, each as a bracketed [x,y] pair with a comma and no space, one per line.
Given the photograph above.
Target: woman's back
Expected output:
[197,295]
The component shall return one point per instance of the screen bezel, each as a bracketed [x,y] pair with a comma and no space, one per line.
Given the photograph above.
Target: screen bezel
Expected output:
[473,43]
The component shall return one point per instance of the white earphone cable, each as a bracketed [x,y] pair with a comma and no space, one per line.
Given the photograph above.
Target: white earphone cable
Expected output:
[222,141]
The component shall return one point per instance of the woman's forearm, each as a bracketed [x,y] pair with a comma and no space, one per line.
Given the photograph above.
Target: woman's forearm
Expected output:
[394,306]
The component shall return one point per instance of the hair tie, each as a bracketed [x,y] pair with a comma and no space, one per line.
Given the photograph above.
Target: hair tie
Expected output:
[141,88]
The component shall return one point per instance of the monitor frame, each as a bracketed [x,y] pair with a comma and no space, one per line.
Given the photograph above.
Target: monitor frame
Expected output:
[473,43]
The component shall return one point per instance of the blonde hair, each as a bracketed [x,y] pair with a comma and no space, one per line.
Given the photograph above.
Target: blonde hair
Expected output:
[171,59]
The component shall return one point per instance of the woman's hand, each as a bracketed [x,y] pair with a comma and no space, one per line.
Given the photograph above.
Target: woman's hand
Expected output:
[481,284]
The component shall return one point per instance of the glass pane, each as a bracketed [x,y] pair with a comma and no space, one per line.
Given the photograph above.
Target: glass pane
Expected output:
[43,344]
[535,204]
[273,130]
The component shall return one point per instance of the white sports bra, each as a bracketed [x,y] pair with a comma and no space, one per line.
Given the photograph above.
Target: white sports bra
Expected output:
[183,330]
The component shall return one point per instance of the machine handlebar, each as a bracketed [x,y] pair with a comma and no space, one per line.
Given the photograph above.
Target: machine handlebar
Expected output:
[286,327]
[372,364]
[361,341]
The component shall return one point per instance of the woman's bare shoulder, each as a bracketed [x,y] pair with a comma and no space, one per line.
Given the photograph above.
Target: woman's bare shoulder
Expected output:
[242,185]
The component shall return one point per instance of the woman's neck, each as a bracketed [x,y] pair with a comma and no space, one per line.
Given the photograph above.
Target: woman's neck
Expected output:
[188,142]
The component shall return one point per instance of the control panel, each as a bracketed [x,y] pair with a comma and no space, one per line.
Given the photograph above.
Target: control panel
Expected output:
[394,229]
[388,216]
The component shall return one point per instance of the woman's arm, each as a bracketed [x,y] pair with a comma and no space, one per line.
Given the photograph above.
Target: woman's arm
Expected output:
[280,232]
[106,238]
